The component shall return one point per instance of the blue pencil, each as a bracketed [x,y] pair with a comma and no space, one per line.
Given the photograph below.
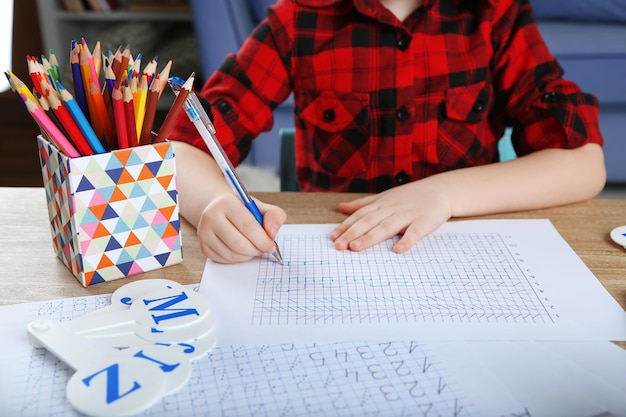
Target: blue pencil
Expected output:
[79,87]
[81,120]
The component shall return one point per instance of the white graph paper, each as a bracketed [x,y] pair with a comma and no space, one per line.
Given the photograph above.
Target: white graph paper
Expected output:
[495,279]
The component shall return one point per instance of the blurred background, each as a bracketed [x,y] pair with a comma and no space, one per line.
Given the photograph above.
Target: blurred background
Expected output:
[588,37]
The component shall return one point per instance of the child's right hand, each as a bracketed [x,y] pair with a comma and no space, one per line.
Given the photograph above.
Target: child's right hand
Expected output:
[229,233]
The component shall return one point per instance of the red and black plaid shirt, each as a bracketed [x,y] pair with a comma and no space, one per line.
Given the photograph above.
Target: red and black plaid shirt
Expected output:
[380,102]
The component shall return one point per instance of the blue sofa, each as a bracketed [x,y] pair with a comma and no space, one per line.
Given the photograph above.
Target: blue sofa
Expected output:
[589,40]
[221,27]
[587,37]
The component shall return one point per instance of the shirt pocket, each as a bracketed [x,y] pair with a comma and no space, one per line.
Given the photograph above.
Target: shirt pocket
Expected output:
[336,131]
[463,137]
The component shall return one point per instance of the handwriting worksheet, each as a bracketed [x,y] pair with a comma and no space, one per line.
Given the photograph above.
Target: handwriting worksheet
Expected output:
[483,279]
[480,318]
[358,378]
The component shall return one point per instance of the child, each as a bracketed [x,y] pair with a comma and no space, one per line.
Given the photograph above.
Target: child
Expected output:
[405,99]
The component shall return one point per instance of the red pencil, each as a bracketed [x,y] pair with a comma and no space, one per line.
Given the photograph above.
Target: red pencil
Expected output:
[129,112]
[168,124]
[69,124]
[57,137]
[117,98]
[150,112]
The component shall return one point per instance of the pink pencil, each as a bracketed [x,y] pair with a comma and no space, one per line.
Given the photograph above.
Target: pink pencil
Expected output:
[48,125]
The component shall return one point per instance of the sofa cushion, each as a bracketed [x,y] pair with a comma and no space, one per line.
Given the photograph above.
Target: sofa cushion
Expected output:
[585,10]
[591,54]
[258,8]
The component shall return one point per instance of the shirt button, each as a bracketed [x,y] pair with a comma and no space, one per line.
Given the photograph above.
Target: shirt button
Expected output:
[478,106]
[329,115]
[225,108]
[402,114]
[402,177]
[403,43]
[551,97]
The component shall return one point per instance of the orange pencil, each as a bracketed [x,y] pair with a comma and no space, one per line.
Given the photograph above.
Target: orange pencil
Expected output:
[168,124]
[117,98]
[101,113]
[145,136]
[94,74]
[68,122]
[129,112]
[85,72]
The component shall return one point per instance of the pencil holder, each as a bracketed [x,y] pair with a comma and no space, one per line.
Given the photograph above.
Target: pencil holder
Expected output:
[113,214]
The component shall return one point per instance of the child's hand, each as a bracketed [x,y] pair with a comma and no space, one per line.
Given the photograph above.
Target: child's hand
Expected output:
[413,210]
[229,233]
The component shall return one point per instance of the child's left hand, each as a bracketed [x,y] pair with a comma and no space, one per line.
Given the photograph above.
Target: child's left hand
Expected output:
[413,210]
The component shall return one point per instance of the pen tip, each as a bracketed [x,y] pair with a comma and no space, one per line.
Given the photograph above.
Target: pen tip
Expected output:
[277,255]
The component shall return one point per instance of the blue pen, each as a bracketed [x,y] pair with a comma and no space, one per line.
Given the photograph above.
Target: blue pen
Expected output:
[203,124]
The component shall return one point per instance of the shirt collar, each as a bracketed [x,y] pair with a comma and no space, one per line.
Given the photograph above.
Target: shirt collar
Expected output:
[375,10]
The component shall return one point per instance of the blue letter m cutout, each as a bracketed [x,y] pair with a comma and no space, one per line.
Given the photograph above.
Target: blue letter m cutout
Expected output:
[173,312]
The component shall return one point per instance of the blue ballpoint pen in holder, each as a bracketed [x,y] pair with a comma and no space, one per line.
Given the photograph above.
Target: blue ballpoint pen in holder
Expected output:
[201,121]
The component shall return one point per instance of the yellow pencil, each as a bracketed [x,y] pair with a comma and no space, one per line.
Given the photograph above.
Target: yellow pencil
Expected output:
[140,103]
[21,88]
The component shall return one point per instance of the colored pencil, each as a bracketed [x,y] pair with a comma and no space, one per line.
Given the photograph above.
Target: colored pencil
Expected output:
[57,137]
[45,106]
[54,62]
[77,78]
[94,74]
[70,125]
[124,58]
[101,113]
[145,137]
[116,63]
[81,120]
[34,73]
[117,98]
[49,71]
[150,69]
[20,87]
[129,113]
[109,86]
[139,101]
[164,75]
[134,67]
[170,119]
[97,57]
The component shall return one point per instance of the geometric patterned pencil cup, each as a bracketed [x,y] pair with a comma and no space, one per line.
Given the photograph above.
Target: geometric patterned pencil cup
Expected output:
[113,214]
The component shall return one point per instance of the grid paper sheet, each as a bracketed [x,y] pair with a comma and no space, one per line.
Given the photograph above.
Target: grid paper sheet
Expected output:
[450,278]
[356,378]
[319,379]
[489,280]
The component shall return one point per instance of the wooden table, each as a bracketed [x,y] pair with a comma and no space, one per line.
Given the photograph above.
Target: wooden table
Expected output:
[30,270]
